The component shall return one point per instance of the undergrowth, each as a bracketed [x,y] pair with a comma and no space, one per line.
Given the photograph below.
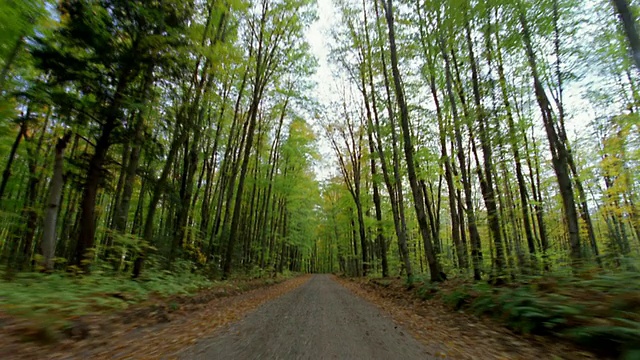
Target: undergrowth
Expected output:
[51,300]
[64,295]
[600,312]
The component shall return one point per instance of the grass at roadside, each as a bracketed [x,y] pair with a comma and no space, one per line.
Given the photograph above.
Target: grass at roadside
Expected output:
[30,294]
[598,311]
[52,303]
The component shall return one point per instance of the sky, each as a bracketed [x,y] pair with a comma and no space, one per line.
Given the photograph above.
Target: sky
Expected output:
[319,39]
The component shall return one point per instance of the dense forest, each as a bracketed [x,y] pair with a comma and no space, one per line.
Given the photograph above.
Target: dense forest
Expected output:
[482,139]
[492,139]
[144,133]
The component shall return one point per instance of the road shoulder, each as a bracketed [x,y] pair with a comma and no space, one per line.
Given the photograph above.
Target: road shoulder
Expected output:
[455,335]
[156,341]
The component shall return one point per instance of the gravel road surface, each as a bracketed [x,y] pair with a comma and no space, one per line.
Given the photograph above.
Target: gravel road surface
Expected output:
[319,320]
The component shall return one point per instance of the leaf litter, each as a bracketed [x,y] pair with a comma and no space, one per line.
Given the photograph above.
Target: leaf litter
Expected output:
[157,329]
[457,335]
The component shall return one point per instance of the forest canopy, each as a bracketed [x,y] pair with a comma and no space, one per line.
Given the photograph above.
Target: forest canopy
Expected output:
[479,139]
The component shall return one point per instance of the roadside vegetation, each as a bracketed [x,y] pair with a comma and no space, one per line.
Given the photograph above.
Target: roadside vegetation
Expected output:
[486,151]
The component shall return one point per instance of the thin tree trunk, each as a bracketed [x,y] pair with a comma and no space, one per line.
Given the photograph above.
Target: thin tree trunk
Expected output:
[393,188]
[522,188]
[485,143]
[461,251]
[434,265]
[147,234]
[630,29]
[122,211]
[557,147]
[12,155]
[476,255]
[48,245]
[250,133]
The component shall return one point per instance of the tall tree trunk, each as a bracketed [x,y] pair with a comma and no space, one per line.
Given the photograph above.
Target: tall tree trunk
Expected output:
[558,149]
[394,188]
[629,25]
[381,243]
[178,138]
[267,196]
[30,212]
[121,213]
[82,258]
[522,187]
[190,166]
[461,251]
[228,169]
[485,143]
[48,245]
[235,221]
[350,161]
[583,207]
[476,254]
[33,188]
[434,265]
[12,155]
[117,196]
[363,237]
[86,236]
[211,165]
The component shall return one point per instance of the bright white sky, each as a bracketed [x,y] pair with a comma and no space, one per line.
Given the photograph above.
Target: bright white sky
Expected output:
[319,37]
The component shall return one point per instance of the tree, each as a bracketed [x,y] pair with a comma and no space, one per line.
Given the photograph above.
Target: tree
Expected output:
[434,266]
[55,193]
[104,43]
[629,24]
[347,141]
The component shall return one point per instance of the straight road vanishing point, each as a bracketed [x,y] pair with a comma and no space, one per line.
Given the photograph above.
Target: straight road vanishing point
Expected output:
[318,320]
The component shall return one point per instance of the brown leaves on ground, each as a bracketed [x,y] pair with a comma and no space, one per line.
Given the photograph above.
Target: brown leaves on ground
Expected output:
[457,335]
[158,329]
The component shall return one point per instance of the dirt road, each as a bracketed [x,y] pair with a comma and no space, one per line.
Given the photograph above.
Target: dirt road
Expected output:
[318,320]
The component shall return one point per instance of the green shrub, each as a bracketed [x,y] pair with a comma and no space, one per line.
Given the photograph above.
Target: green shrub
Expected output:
[427,291]
[599,312]
[34,294]
[617,339]
[457,299]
